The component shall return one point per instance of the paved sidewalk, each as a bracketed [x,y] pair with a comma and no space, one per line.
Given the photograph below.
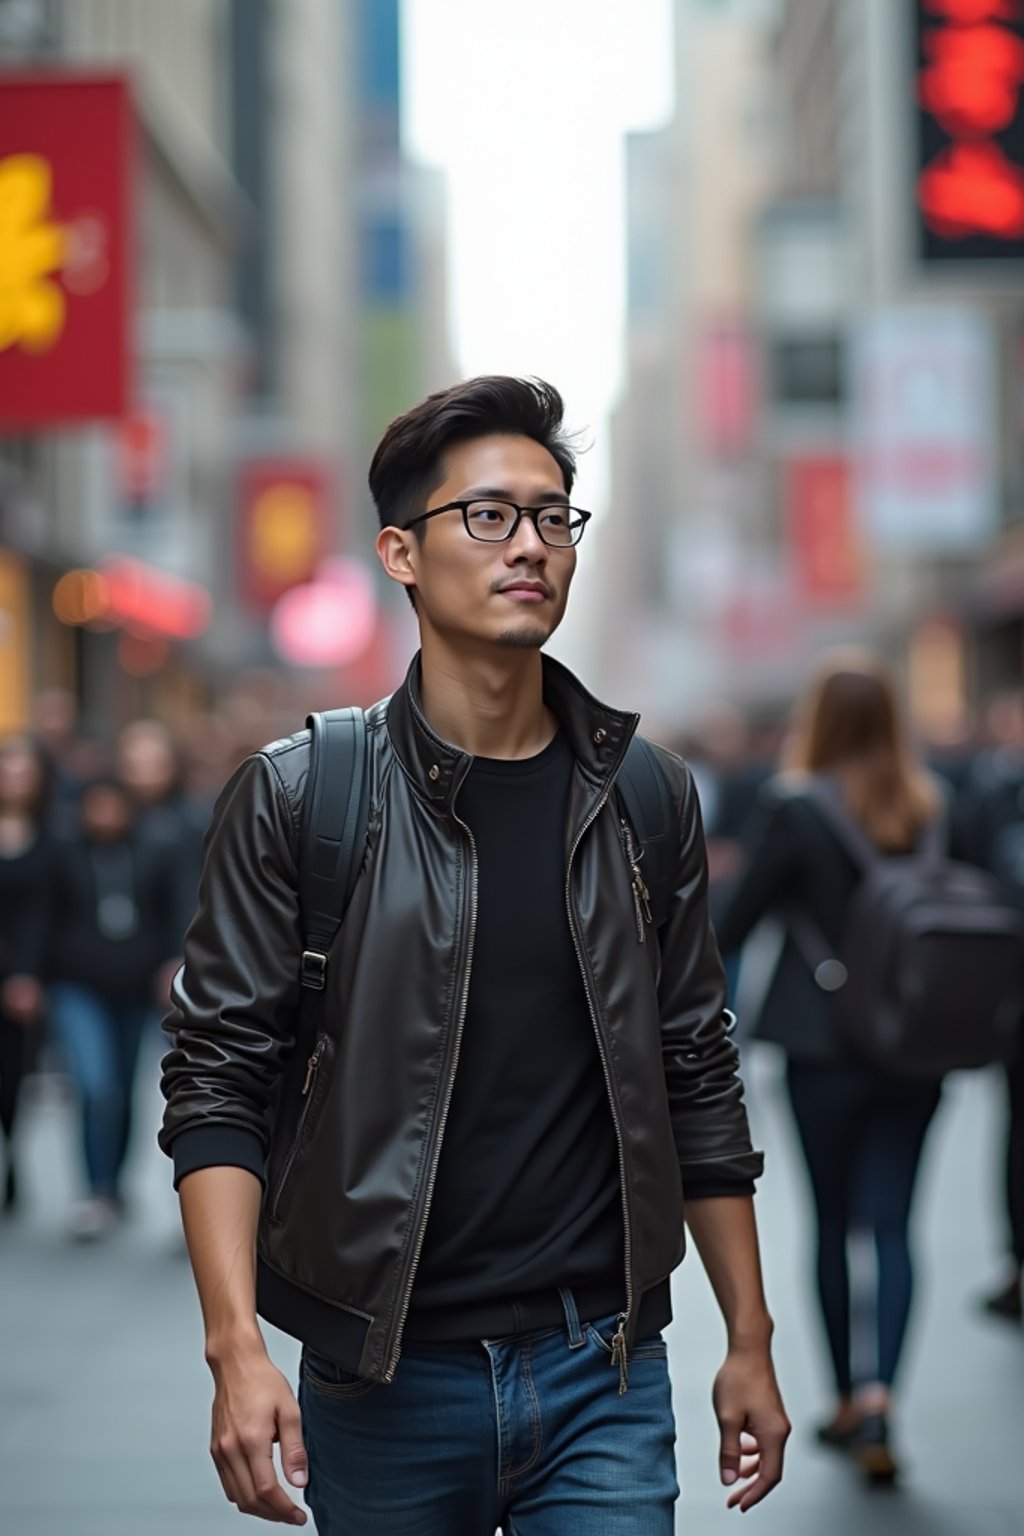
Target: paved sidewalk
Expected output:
[104,1398]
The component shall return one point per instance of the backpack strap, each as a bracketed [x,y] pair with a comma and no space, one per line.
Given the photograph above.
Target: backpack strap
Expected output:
[334,822]
[826,796]
[647,802]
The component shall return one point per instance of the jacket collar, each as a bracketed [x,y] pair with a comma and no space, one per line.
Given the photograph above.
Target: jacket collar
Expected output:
[597,734]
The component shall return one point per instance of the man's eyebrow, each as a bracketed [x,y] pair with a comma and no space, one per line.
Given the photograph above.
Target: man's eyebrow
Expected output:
[541,499]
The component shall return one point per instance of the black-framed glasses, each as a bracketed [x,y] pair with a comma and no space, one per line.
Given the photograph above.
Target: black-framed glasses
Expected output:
[493,520]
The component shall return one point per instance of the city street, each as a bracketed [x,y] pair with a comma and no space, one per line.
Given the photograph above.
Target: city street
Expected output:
[104,1395]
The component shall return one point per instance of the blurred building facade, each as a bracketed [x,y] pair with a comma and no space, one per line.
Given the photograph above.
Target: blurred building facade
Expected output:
[842,355]
[686,454]
[289,275]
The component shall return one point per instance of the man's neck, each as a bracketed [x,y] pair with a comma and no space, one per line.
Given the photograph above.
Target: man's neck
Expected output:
[489,706]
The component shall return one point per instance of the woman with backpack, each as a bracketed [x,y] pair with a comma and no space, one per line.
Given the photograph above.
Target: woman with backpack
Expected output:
[861,1127]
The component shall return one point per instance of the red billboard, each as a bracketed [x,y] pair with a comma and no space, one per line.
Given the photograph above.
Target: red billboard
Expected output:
[66,248]
[284,528]
[826,555]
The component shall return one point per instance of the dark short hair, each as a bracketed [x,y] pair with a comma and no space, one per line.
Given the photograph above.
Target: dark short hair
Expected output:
[407,465]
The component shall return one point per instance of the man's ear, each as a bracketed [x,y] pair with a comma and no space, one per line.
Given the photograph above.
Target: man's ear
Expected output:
[396,552]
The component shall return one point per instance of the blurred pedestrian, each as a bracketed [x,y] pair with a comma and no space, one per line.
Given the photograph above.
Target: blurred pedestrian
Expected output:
[862,1129]
[151,767]
[26,864]
[991,816]
[72,754]
[477,1133]
[111,937]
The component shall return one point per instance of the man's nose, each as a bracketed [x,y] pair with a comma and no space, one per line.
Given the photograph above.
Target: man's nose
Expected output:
[526,543]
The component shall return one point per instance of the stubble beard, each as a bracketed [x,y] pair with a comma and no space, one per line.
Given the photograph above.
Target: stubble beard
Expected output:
[522,639]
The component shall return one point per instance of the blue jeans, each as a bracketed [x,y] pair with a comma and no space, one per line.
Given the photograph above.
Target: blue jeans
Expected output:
[526,1434]
[100,1040]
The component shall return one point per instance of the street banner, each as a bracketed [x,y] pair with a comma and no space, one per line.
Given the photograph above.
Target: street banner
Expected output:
[66,248]
[284,527]
[924,420]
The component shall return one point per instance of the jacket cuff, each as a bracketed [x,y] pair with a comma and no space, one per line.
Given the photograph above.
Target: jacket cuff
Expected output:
[726,1172]
[715,1189]
[216,1146]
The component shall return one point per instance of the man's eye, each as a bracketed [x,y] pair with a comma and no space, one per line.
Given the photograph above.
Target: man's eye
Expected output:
[481,513]
[554,517]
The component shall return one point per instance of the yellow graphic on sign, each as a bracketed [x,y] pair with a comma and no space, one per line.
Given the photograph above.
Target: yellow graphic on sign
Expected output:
[32,246]
[284,532]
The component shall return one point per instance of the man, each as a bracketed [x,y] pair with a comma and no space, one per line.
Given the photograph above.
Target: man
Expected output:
[474,1177]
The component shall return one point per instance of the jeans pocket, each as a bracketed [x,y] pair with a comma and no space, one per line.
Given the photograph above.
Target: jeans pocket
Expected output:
[331,1380]
[601,1333]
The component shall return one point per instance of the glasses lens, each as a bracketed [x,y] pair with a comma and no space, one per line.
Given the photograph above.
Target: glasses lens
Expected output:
[490,520]
[559,525]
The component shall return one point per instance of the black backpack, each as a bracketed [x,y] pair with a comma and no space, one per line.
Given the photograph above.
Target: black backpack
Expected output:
[335,817]
[929,972]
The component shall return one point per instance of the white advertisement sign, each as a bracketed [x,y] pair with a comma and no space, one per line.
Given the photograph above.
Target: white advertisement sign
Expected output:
[924,430]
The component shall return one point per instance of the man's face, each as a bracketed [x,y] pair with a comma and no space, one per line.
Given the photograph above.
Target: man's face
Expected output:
[509,594]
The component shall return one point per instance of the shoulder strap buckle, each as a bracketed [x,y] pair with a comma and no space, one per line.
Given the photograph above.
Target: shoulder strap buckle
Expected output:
[313,971]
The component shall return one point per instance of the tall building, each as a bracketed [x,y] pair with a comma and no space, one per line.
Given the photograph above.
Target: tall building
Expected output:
[890,289]
[151,486]
[685,450]
[840,347]
[287,277]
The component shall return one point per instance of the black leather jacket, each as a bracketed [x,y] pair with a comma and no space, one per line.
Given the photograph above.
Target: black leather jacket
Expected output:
[345,1126]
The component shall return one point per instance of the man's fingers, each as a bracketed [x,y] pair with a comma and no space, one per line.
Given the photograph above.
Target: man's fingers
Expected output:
[233,1468]
[272,1501]
[769,1471]
[729,1452]
[293,1452]
[248,1478]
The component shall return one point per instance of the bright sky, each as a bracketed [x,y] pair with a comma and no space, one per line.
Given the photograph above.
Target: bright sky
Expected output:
[524,106]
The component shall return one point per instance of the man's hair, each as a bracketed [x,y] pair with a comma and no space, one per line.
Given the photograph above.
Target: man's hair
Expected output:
[407,465]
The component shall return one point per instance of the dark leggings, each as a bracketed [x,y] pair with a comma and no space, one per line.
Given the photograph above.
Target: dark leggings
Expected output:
[16,1046]
[862,1134]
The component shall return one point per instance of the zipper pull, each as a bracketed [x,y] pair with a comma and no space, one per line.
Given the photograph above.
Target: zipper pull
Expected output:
[643,895]
[311,1067]
[619,1354]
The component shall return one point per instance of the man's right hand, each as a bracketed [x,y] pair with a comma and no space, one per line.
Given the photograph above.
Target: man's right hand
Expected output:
[253,1408]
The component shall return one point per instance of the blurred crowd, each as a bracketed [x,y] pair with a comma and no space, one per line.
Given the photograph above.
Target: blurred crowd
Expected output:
[100,856]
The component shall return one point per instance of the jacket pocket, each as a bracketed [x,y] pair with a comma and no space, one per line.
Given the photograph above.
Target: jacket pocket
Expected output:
[314,1090]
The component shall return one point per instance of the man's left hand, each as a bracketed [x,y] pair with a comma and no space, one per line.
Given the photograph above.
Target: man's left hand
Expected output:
[753,1425]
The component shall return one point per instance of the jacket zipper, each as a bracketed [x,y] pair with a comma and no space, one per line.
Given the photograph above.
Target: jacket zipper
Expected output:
[396,1347]
[312,1068]
[641,895]
[619,1356]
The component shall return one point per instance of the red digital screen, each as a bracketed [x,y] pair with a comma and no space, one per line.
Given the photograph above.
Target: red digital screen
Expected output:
[970,97]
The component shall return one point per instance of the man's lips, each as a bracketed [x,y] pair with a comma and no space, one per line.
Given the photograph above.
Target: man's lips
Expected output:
[526,591]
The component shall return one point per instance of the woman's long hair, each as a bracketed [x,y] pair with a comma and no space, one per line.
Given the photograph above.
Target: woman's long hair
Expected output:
[850,725]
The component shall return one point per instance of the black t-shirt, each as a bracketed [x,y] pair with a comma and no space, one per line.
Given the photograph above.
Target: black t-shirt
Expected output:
[527,1197]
